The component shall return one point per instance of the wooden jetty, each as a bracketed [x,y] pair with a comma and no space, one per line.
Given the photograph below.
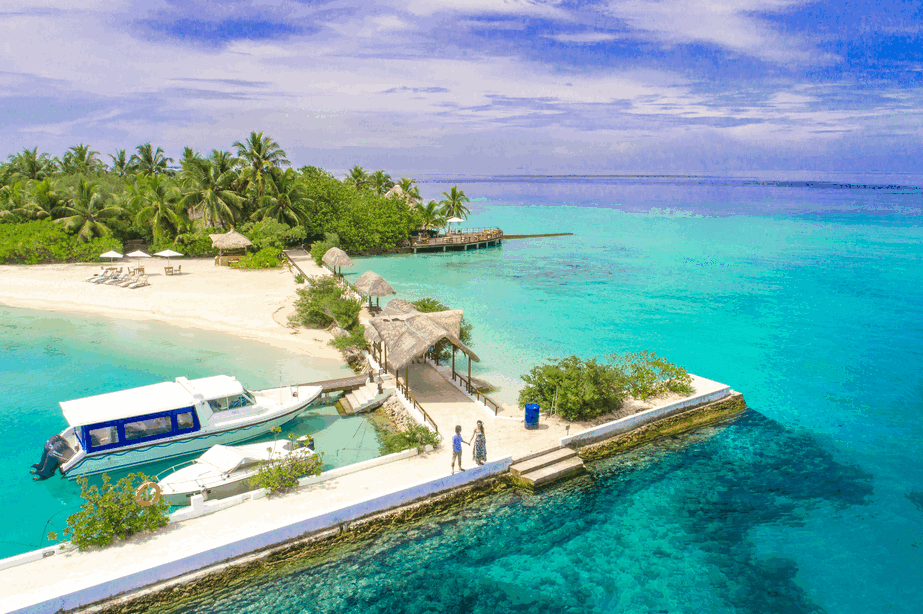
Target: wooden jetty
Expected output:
[463,240]
[343,384]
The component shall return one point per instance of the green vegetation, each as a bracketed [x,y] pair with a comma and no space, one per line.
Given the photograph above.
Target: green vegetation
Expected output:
[581,389]
[282,474]
[111,511]
[416,436]
[327,301]
[443,351]
[319,248]
[266,258]
[140,195]
[44,241]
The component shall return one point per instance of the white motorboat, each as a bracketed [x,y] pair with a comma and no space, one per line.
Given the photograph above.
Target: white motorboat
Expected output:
[122,429]
[223,471]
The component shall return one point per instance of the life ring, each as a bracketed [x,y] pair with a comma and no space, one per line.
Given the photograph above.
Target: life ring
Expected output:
[142,494]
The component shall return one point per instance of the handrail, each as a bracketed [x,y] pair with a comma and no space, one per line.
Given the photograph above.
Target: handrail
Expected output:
[402,387]
[477,393]
[292,263]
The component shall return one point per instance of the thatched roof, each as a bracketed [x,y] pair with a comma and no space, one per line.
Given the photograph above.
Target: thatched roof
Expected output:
[372,284]
[408,333]
[336,257]
[230,240]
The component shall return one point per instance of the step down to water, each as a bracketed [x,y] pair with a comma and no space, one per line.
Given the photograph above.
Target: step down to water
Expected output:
[547,467]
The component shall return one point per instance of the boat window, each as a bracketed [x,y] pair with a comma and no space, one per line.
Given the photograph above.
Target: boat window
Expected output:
[103,436]
[147,428]
[240,400]
[218,404]
[184,421]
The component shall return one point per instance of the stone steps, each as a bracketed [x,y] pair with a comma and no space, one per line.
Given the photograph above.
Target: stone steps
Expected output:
[359,399]
[546,467]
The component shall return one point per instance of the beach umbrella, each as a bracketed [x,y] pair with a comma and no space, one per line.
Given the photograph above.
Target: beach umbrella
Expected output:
[372,284]
[335,257]
[169,253]
[454,220]
[139,255]
[111,255]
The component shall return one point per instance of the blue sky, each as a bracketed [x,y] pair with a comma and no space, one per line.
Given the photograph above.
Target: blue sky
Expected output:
[475,86]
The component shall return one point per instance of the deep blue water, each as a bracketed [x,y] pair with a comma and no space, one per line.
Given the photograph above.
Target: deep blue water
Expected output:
[804,297]
[48,357]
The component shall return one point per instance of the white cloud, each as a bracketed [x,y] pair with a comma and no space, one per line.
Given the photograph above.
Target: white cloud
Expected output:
[585,37]
[731,24]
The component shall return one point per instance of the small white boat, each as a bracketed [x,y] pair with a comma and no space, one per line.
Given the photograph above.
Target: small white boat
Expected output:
[123,429]
[223,471]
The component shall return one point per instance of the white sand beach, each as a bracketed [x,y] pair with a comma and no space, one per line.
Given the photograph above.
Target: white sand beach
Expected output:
[249,304]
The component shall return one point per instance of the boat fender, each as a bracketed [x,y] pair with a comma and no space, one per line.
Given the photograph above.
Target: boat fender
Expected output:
[143,496]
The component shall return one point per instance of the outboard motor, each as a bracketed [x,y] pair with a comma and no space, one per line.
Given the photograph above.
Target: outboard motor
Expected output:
[55,453]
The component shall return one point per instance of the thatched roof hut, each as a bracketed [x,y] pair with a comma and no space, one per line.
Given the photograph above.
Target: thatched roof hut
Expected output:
[408,333]
[335,257]
[372,284]
[230,240]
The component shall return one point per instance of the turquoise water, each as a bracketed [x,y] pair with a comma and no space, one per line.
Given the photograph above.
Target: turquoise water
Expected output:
[48,357]
[806,298]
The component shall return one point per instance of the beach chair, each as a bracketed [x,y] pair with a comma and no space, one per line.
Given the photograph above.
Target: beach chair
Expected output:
[110,273]
[132,278]
[178,270]
[118,278]
[140,283]
[102,271]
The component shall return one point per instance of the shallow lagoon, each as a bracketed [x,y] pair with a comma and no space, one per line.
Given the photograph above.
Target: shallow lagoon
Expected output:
[47,357]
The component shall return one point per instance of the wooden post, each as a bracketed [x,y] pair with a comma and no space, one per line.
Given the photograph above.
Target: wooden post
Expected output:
[453,362]
[469,374]
[407,377]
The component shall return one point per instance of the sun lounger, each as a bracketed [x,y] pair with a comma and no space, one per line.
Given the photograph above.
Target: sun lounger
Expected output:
[118,278]
[102,271]
[132,278]
[140,283]
[111,273]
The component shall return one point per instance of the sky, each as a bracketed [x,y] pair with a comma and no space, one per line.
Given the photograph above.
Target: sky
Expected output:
[476,86]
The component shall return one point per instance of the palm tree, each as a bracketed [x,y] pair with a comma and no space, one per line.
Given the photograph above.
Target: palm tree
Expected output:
[453,205]
[88,214]
[211,193]
[31,164]
[15,200]
[190,156]
[381,182]
[44,202]
[430,216]
[81,159]
[286,201]
[223,160]
[411,191]
[259,155]
[158,204]
[358,177]
[149,161]
[121,164]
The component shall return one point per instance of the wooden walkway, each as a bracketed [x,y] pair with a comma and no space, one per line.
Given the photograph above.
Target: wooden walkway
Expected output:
[476,238]
[343,383]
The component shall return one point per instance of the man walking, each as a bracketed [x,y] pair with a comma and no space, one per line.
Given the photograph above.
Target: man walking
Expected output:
[456,448]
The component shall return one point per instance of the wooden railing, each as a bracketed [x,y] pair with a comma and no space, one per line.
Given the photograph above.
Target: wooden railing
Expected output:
[483,398]
[468,235]
[402,387]
[292,263]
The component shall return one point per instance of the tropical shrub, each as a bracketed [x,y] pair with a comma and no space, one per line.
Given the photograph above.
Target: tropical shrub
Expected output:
[323,303]
[44,241]
[299,278]
[581,389]
[416,436]
[111,511]
[195,243]
[266,258]
[319,248]
[271,233]
[354,340]
[443,350]
[282,474]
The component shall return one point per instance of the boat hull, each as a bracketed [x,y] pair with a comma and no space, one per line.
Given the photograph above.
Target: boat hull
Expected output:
[120,460]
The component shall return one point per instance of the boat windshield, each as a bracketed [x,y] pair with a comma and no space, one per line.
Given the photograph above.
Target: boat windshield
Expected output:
[233,402]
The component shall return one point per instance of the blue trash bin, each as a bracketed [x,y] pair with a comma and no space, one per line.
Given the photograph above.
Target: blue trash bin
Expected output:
[532,416]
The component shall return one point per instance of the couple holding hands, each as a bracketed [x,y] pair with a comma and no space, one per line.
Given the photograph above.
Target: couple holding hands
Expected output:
[480,446]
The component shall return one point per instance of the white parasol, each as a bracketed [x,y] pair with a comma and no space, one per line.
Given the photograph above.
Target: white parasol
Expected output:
[139,255]
[111,255]
[169,253]
[454,220]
